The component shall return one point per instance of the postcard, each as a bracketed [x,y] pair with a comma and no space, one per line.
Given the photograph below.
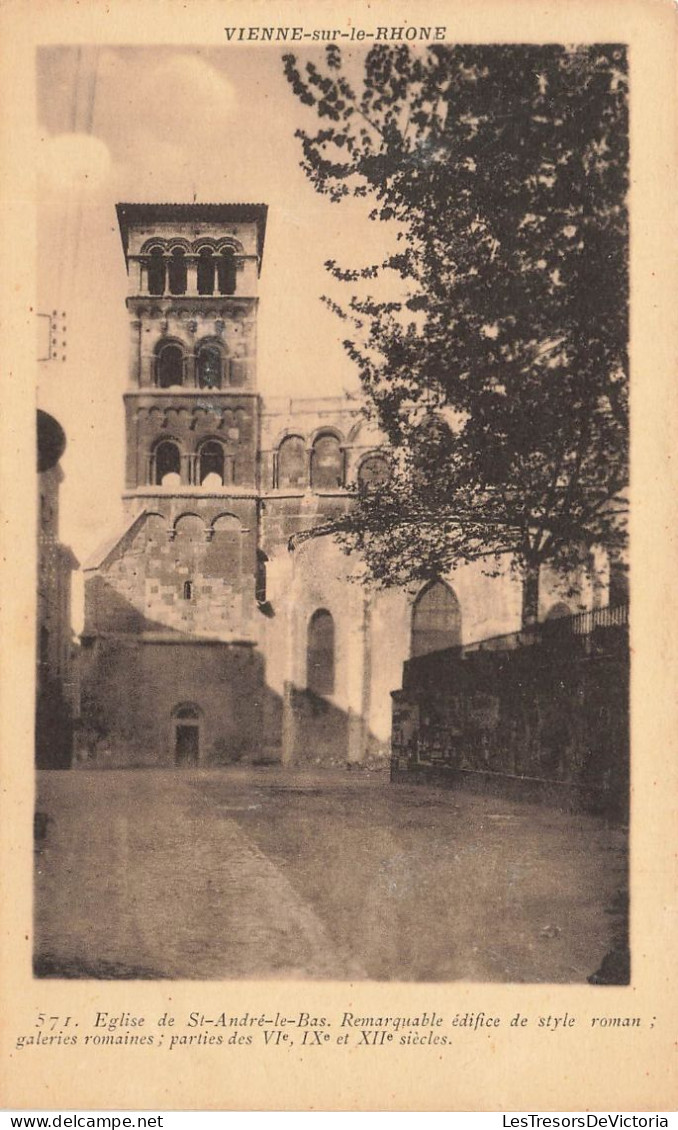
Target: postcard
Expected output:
[338,515]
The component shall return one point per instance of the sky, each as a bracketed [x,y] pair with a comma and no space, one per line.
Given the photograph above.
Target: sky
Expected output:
[173,125]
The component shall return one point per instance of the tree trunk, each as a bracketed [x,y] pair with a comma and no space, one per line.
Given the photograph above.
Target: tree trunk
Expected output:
[530,594]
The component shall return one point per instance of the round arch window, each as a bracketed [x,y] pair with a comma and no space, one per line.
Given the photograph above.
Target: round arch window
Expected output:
[292,469]
[169,365]
[373,472]
[209,366]
[320,653]
[436,619]
[167,460]
[156,271]
[211,464]
[177,271]
[206,271]
[327,470]
[226,271]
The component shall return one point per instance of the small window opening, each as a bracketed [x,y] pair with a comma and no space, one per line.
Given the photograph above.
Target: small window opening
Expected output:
[188,590]
[206,271]
[226,272]
[211,464]
[170,366]
[209,367]
[156,272]
[167,464]
[177,272]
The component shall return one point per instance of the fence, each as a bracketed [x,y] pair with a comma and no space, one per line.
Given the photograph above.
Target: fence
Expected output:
[542,714]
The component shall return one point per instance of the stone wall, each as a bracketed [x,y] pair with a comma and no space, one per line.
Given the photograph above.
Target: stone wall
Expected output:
[133,692]
[187,572]
[543,715]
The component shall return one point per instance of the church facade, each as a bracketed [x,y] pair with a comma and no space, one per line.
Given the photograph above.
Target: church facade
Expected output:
[212,633]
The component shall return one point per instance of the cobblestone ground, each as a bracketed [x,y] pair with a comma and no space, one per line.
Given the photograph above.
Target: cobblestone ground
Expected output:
[252,873]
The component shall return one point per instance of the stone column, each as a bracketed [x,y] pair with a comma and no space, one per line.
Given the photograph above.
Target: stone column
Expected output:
[135,351]
[360,693]
[191,274]
[186,476]
[289,720]
[289,725]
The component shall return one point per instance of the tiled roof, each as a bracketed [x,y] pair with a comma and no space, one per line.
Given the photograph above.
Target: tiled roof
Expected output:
[130,214]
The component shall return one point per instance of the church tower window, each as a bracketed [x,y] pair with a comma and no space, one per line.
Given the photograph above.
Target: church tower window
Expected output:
[156,271]
[169,365]
[211,464]
[206,271]
[177,272]
[209,366]
[167,460]
[226,271]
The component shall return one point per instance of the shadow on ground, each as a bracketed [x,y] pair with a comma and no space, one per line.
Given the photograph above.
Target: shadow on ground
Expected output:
[266,873]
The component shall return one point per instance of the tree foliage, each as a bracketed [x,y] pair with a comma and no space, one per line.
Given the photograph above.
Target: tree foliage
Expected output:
[500,376]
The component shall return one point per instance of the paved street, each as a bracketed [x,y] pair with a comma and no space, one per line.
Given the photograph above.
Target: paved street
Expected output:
[251,873]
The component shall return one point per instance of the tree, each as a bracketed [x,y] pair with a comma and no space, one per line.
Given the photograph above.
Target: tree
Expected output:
[499,375]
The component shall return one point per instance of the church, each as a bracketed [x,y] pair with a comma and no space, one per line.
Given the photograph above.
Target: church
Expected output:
[215,631]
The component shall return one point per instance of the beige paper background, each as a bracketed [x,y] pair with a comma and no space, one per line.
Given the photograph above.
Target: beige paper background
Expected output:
[529,1069]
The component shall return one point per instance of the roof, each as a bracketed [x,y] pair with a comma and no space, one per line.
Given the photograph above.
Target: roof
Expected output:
[129,215]
[103,551]
[51,441]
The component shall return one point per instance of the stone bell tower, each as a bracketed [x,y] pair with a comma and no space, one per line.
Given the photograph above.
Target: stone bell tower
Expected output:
[191,403]
[171,602]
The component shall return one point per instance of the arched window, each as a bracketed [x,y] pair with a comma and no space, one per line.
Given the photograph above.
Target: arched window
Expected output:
[436,619]
[320,653]
[211,460]
[169,365]
[156,271]
[373,472]
[177,271]
[226,271]
[326,463]
[208,365]
[292,470]
[188,590]
[167,460]
[205,271]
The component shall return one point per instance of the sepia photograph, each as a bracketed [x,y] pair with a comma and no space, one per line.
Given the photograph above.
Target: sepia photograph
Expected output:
[336,740]
[333,459]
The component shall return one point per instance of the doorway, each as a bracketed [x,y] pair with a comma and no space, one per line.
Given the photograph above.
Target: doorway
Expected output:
[186,728]
[187,745]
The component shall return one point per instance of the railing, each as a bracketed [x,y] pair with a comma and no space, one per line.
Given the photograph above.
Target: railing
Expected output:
[582,624]
[585,623]
[610,617]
